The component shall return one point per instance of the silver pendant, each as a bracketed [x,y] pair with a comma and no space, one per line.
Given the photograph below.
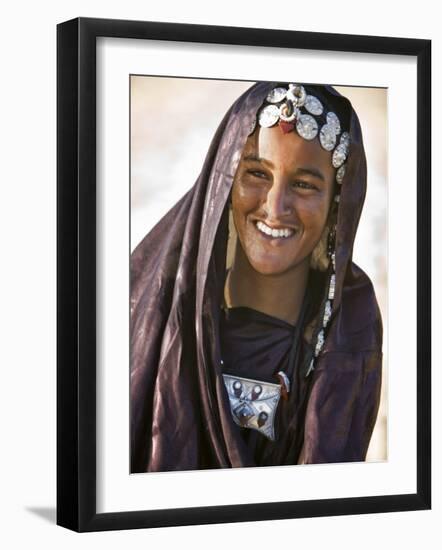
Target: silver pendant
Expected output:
[253,403]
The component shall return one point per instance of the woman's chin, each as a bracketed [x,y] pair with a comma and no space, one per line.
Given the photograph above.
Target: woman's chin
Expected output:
[271,267]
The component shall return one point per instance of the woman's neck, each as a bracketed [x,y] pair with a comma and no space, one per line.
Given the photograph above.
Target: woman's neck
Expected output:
[280,296]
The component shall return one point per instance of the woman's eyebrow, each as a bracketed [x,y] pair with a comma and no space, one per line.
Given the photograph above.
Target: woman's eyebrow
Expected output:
[254,158]
[310,171]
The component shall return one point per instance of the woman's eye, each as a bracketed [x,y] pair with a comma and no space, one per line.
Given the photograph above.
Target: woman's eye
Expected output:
[257,174]
[303,185]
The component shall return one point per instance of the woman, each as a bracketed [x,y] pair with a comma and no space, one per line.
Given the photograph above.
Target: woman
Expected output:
[276,358]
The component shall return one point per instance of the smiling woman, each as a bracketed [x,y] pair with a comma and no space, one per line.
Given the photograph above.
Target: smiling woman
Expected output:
[284,184]
[275,356]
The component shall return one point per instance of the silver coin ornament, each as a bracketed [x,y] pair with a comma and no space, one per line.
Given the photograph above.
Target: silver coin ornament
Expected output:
[313,105]
[327,137]
[333,120]
[283,113]
[297,94]
[331,288]
[339,155]
[276,95]
[345,139]
[319,342]
[307,127]
[327,313]
[269,116]
[340,174]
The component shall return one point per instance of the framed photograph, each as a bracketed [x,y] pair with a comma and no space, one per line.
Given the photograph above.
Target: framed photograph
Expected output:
[243,274]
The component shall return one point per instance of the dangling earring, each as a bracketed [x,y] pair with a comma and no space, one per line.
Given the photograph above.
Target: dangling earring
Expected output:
[327,308]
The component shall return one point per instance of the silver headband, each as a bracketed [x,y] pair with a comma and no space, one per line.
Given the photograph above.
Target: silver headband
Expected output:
[293,108]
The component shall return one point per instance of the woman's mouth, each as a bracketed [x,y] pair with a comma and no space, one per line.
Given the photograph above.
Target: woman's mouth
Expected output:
[280,233]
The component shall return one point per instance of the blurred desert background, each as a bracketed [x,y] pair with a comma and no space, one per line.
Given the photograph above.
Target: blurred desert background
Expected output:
[172,123]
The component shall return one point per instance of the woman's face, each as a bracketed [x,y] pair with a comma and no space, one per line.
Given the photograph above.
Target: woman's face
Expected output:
[280,199]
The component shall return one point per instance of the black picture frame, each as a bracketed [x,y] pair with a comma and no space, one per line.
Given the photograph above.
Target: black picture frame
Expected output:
[76,273]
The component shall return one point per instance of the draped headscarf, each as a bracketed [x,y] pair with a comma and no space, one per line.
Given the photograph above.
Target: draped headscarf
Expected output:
[180,412]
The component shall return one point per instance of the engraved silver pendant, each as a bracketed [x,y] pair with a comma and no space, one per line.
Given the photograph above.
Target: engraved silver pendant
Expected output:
[253,403]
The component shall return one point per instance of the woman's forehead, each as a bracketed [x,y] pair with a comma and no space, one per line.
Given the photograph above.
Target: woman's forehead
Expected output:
[272,145]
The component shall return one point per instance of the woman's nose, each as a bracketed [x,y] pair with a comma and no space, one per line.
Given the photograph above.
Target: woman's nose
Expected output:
[277,203]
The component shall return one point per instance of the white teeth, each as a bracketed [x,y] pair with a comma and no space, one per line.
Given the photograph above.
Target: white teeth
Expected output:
[286,232]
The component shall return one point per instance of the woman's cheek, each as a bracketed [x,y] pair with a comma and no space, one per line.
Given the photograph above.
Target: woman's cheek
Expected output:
[313,211]
[245,197]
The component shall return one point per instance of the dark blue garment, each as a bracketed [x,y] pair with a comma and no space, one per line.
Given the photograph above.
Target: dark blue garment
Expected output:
[255,345]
